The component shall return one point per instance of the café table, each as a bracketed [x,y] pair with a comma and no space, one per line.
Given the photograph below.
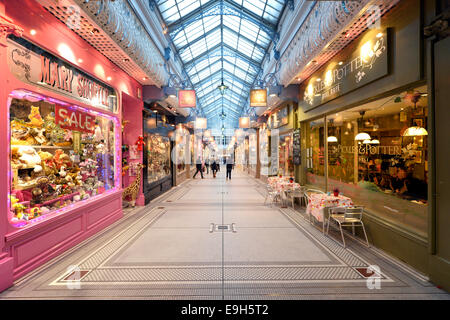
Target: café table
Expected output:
[319,203]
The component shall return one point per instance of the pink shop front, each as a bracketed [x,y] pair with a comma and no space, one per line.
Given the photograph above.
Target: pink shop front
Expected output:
[61,140]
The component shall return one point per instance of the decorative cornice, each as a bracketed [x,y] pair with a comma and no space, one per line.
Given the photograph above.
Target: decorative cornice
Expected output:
[7,27]
[321,26]
[120,23]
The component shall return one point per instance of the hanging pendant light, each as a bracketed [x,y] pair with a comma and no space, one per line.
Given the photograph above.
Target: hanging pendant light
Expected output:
[415,131]
[222,88]
[362,135]
[332,138]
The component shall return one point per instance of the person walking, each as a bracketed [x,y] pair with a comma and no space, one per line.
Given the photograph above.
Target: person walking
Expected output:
[207,165]
[230,164]
[214,167]
[199,168]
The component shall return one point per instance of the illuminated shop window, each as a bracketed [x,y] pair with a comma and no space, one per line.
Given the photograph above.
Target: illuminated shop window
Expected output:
[60,154]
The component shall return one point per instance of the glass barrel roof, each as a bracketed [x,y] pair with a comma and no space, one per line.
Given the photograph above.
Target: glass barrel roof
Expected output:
[209,34]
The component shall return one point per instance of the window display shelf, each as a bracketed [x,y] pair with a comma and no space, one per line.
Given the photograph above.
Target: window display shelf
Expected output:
[42,147]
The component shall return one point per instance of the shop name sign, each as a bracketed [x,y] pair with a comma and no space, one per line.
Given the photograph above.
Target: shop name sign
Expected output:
[367,149]
[41,68]
[68,118]
[366,64]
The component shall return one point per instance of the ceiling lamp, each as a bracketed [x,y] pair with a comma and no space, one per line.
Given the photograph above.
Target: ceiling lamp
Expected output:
[332,139]
[375,141]
[200,123]
[222,88]
[244,122]
[367,141]
[362,135]
[415,131]
[274,91]
[170,92]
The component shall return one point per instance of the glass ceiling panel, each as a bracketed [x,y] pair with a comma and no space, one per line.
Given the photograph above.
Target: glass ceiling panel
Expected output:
[212,46]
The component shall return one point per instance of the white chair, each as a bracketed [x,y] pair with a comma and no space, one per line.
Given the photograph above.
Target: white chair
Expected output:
[295,193]
[348,217]
[272,194]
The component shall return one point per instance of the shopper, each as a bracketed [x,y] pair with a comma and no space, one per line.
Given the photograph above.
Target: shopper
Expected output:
[230,164]
[198,166]
[207,165]
[214,166]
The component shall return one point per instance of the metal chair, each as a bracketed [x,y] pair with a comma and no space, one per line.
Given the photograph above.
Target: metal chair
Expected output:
[272,194]
[295,193]
[349,217]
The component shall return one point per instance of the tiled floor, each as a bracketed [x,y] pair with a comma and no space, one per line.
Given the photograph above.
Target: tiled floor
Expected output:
[172,249]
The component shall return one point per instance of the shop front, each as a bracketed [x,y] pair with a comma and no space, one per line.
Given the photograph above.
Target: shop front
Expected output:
[364,130]
[61,134]
[158,167]
[281,124]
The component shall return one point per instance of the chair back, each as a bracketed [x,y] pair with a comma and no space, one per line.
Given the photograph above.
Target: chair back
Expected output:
[353,214]
[337,210]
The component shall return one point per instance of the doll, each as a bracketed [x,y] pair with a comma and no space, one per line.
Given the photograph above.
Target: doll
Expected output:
[35,117]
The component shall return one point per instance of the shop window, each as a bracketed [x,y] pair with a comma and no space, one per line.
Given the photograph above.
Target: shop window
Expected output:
[387,172]
[315,153]
[158,157]
[60,155]
[286,160]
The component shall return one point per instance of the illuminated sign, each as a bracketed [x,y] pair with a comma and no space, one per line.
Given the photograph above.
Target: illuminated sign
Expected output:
[69,118]
[365,64]
[32,64]
[258,98]
[186,99]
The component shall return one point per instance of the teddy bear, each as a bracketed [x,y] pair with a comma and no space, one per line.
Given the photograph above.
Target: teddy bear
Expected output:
[38,135]
[35,117]
[29,156]
[20,134]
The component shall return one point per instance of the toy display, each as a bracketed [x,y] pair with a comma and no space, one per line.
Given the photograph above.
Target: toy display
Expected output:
[158,156]
[48,173]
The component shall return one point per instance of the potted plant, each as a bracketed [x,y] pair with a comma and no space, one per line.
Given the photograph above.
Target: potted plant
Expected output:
[336,192]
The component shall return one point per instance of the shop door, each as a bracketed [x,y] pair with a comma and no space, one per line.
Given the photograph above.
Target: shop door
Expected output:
[442,156]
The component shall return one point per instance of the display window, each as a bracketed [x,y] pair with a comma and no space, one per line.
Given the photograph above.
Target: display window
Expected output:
[286,162]
[60,154]
[378,156]
[158,157]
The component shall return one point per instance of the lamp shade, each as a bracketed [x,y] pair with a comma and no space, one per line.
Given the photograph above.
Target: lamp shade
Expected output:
[415,131]
[375,141]
[200,123]
[186,99]
[362,136]
[367,141]
[332,139]
[244,122]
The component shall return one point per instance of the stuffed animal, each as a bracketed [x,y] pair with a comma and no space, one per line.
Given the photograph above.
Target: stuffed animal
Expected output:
[38,135]
[98,136]
[29,156]
[20,133]
[35,117]
[140,143]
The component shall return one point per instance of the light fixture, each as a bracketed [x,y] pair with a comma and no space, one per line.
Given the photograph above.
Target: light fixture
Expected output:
[108,78]
[318,79]
[244,122]
[332,139]
[415,131]
[274,91]
[367,141]
[222,88]
[375,141]
[170,92]
[340,63]
[362,135]
[33,32]
[80,60]
[379,35]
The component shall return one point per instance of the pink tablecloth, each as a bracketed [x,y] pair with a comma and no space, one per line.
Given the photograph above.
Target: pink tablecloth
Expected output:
[318,202]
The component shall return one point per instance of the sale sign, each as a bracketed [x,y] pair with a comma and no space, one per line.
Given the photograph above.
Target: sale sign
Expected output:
[69,118]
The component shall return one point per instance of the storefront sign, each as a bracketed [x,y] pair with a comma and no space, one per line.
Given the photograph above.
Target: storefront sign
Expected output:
[280,118]
[32,64]
[75,120]
[368,149]
[258,98]
[365,64]
[186,99]
[296,147]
